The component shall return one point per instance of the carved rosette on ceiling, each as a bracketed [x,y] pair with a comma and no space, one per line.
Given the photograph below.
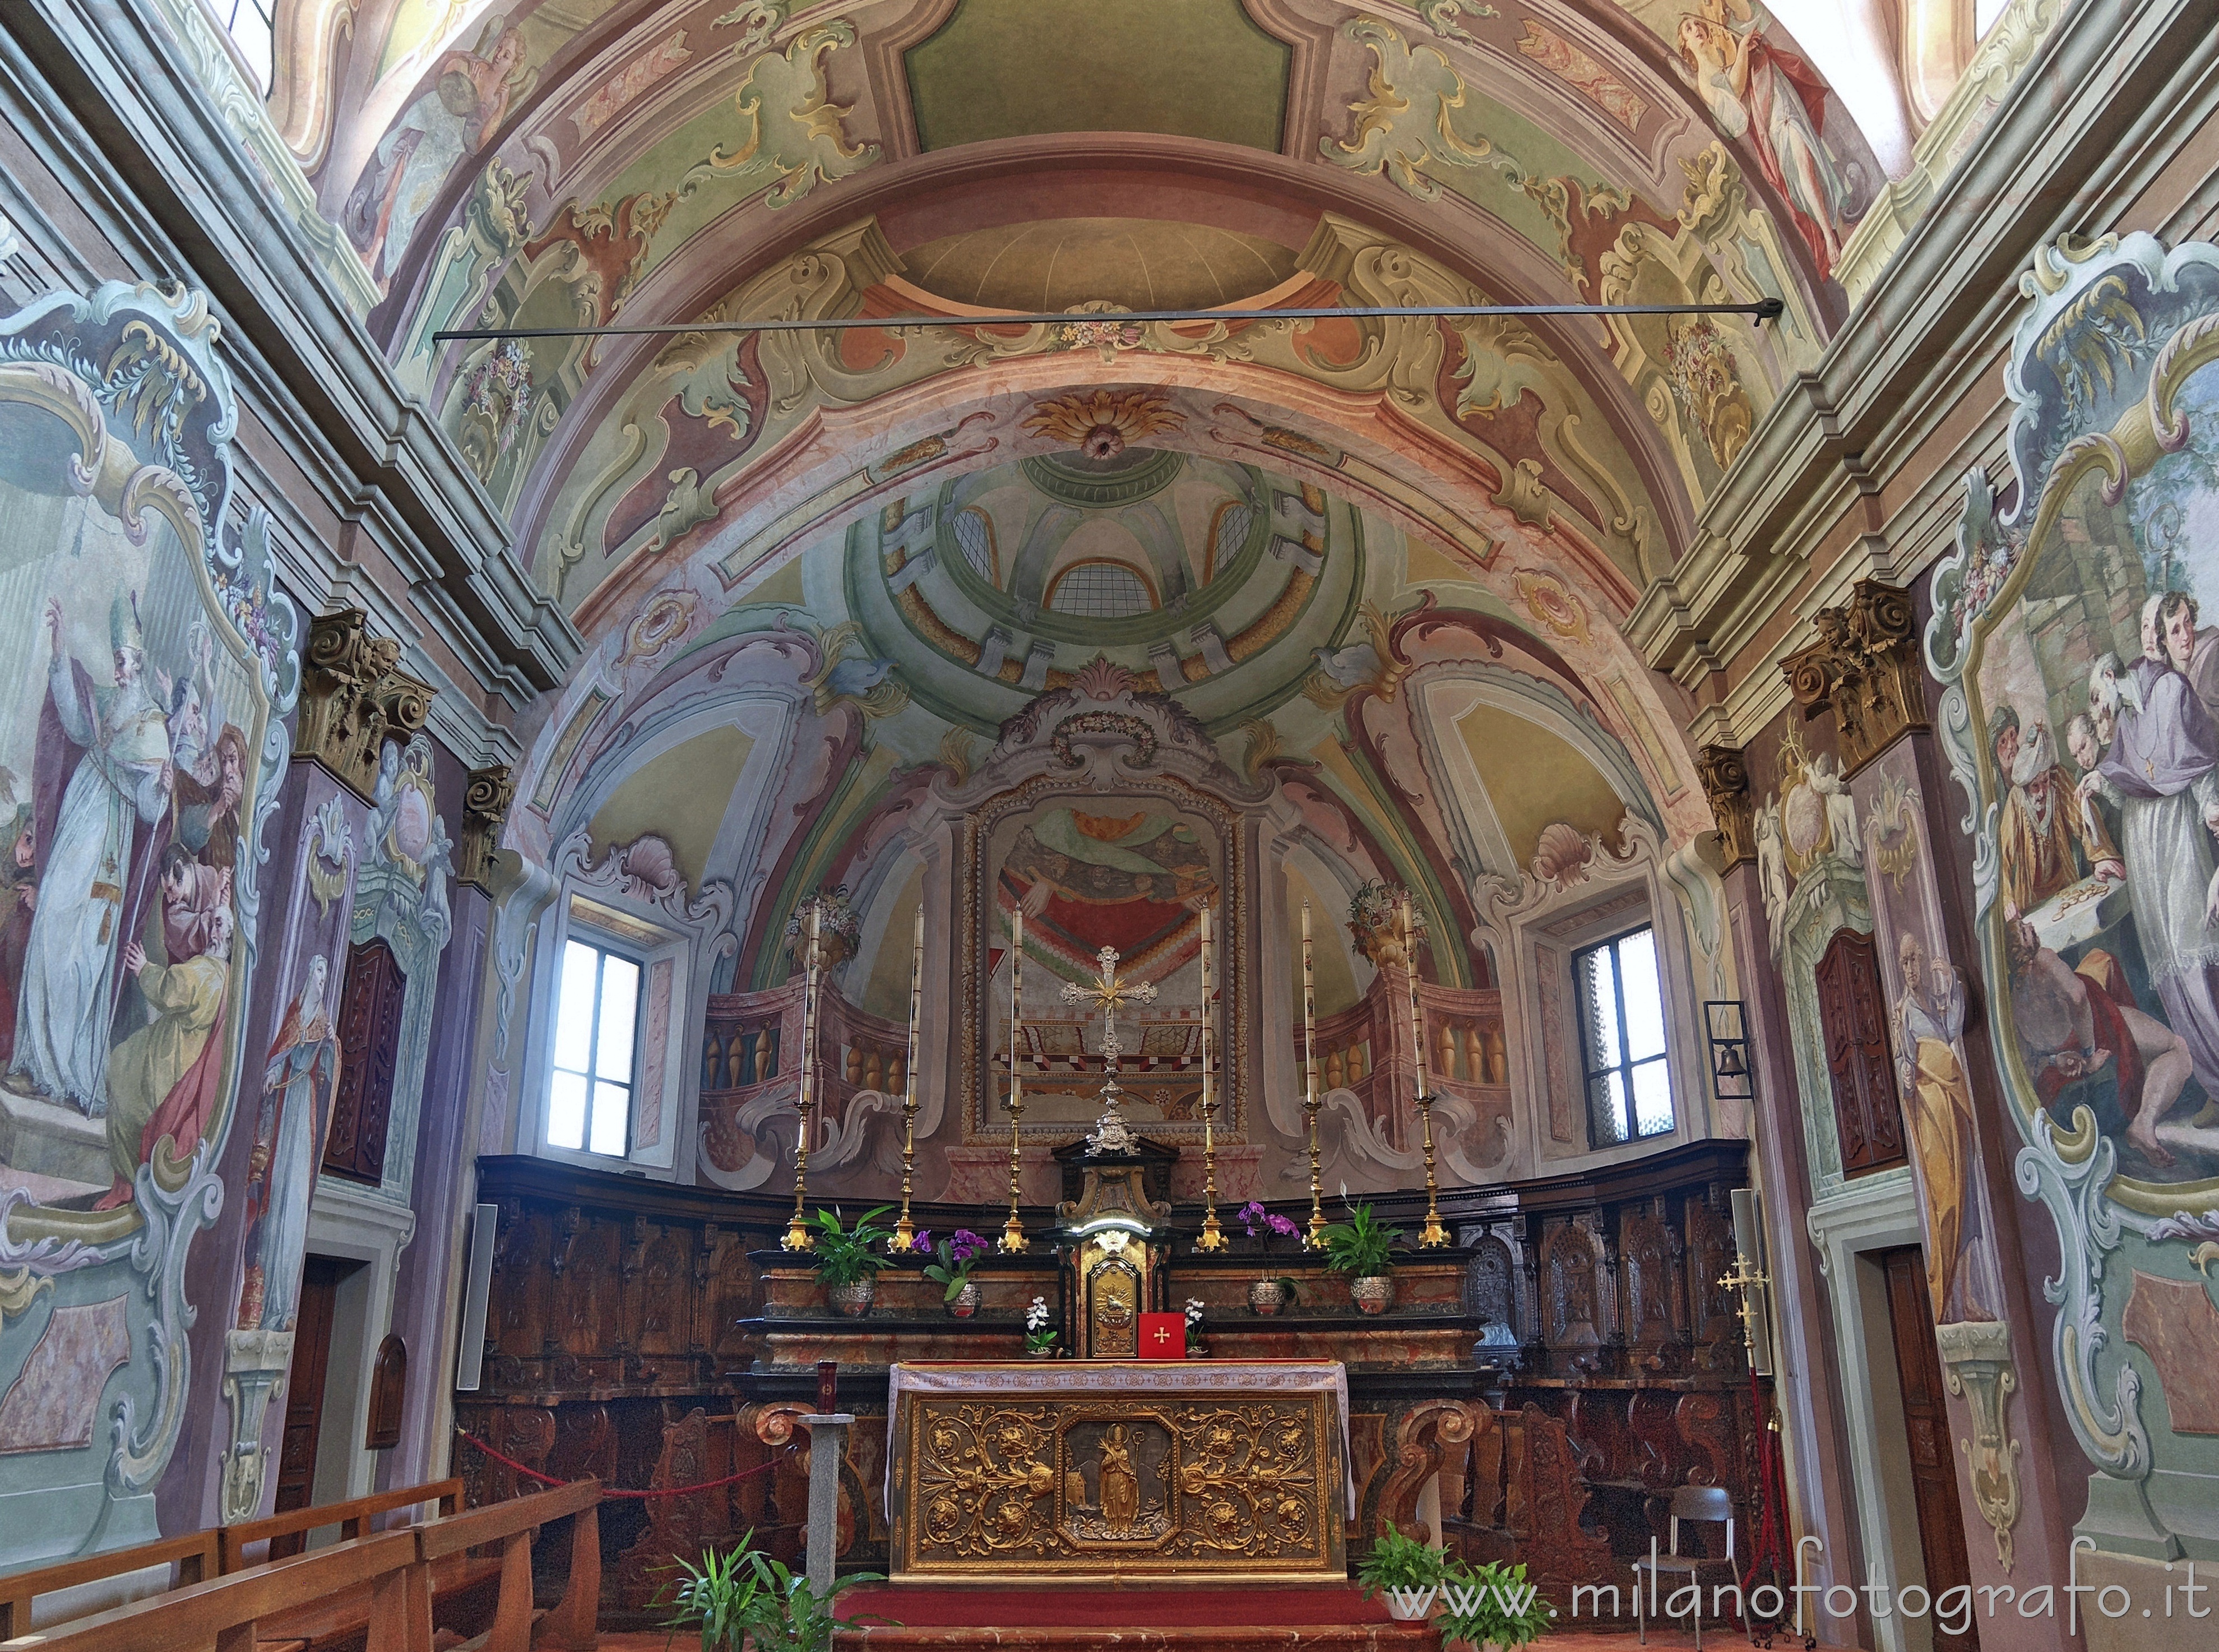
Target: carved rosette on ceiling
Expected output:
[354,698]
[1726,783]
[1865,668]
[486,798]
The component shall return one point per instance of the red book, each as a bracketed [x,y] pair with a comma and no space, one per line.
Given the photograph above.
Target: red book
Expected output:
[1163,1336]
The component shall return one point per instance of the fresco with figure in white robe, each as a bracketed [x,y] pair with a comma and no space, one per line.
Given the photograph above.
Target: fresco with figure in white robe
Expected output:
[138,746]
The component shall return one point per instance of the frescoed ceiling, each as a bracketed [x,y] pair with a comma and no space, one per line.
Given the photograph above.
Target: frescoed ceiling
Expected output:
[941,521]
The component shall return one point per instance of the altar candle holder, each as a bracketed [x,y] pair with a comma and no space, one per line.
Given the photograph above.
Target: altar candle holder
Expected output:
[796,1232]
[1315,1238]
[1433,1235]
[1012,1242]
[906,1229]
[1211,1238]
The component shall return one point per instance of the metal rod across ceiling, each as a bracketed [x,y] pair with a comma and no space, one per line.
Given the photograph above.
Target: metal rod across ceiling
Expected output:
[1764,310]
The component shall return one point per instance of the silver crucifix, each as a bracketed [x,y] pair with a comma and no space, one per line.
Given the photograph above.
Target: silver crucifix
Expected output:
[1110,989]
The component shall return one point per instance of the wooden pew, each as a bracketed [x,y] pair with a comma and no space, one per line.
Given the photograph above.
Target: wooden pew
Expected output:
[195,1557]
[257,1609]
[285,1533]
[570,1626]
[226,1614]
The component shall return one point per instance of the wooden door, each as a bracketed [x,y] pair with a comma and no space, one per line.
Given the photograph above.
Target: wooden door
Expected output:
[1926,1430]
[304,1390]
[369,1053]
[1853,1020]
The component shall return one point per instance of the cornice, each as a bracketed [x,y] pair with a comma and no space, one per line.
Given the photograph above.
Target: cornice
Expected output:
[151,136]
[2084,126]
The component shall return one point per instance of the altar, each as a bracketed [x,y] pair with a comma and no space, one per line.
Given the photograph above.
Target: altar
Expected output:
[1206,1471]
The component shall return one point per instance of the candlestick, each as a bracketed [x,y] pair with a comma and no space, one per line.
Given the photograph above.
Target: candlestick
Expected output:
[1012,1242]
[906,1229]
[797,1235]
[1211,1238]
[1433,1235]
[1315,1238]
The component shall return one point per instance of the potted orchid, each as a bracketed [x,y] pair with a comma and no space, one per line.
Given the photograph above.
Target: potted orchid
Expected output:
[1040,1330]
[958,1255]
[1273,1291]
[1194,1348]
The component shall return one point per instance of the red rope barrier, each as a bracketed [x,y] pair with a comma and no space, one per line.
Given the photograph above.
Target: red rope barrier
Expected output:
[611,1491]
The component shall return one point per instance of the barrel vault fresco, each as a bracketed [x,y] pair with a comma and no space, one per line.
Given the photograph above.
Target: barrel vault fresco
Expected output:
[2070,632]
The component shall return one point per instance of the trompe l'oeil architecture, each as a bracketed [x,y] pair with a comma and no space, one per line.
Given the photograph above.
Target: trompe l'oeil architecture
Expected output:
[1120,643]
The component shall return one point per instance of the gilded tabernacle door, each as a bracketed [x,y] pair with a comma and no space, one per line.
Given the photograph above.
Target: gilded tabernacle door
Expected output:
[1018,1473]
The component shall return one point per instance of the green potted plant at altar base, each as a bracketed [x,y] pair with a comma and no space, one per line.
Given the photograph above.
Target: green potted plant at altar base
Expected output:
[1364,1248]
[1408,1572]
[741,1596]
[1491,1608]
[958,1255]
[848,1259]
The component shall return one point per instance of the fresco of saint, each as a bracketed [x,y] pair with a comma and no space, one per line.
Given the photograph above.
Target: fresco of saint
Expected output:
[1929,1020]
[165,1079]
[297,1084]
[104,768]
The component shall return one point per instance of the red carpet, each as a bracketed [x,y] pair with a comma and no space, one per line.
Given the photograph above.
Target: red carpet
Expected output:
[1049,1607]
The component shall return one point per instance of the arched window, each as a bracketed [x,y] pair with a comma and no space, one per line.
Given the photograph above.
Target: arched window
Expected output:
[252,26]
[1101,590]
[975,535]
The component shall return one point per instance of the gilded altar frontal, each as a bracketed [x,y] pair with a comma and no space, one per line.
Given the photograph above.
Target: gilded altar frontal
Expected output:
[1117,1476]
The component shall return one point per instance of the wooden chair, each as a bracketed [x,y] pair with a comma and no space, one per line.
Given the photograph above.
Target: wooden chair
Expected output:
[195,1557]
[286,1533]
[1710,1504]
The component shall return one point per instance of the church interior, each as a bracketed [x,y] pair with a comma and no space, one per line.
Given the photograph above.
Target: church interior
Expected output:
[1109,822]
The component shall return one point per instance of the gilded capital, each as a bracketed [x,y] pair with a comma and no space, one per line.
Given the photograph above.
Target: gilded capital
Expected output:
[485,805]
[1864,668]
[354,698]
[1726,783]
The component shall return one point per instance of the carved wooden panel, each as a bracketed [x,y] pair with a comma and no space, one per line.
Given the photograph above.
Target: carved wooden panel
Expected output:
[388,1393]
[1853,1019]
[1572,1288]
[1648,1261]
[370,1050]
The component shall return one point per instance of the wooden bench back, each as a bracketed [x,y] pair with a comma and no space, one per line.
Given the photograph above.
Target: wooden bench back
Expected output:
[349,1517]
[194,1557]
[218,1615]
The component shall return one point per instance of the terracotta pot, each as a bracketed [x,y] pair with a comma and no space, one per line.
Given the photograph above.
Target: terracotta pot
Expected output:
[1374,1292]
[1266,1296]
[964,1302]
[853,1300]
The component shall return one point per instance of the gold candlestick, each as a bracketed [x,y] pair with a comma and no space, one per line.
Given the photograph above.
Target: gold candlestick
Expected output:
[1012,1242]
[797,1235]
[906,1229]
[1433,1235]
[1210,1238]
[1315,1238]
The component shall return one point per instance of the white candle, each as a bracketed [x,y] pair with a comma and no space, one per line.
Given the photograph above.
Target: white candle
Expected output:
[1017,1000]
[1417,1018]
[1309,1012]
[915,1000]
[1205,1029]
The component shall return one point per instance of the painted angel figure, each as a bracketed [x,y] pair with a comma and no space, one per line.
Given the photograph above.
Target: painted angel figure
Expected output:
[1772,863]
[1841,808]
[1774,101]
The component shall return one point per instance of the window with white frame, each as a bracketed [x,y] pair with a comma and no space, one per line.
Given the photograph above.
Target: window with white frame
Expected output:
[589,1089]
[252,26]
[1622,1038]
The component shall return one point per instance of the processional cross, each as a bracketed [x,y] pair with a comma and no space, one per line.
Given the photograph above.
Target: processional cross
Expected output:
[1110,989]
